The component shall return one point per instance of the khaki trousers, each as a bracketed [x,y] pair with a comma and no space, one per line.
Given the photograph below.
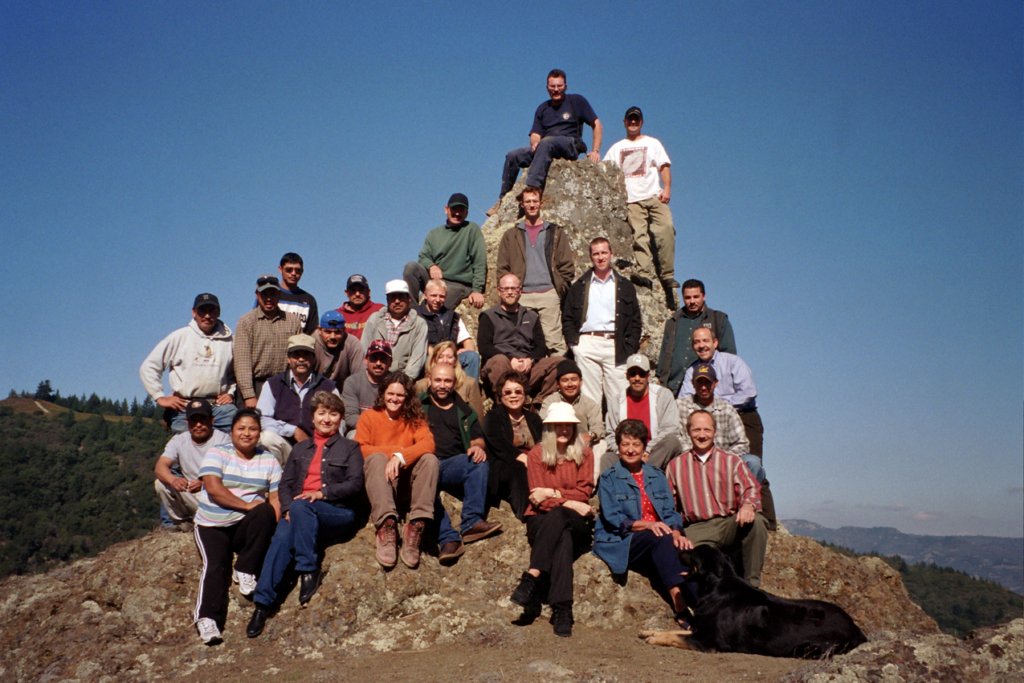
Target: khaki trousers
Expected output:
[180,505]
[276,444]
[543,382]
[651,223]
[600,374]
[416,484]
[728,536]
[549,308]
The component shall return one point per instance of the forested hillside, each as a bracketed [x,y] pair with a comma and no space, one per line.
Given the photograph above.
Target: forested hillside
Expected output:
[69,488]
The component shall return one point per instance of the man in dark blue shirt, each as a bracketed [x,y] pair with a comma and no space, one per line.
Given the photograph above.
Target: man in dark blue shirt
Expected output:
[557,133]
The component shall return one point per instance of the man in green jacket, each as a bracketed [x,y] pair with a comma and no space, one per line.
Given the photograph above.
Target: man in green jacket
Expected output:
[454,252]
[677,352]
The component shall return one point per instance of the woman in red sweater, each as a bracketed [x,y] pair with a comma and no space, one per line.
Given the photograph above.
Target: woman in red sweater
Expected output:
[398,449]
[559,520]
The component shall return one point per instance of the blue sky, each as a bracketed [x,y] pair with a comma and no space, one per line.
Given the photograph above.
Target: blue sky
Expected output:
[847,182]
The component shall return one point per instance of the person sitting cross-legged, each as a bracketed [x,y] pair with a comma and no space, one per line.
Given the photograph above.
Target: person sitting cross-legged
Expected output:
[319,491]
[638,521]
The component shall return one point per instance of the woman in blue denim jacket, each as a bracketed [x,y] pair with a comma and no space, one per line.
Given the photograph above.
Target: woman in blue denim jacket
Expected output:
[638,517]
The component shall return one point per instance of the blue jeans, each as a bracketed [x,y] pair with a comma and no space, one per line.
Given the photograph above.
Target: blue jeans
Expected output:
[222,416]
[554,147]
[165,518]
[756,468]
[297,539]
[460,475]
[470,362]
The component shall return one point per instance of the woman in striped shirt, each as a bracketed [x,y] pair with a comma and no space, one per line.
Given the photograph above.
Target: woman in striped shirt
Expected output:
[238,512]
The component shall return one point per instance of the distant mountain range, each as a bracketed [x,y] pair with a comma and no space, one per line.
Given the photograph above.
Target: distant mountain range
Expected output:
[988,557]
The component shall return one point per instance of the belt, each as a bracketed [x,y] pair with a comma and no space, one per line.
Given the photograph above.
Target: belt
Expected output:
[603,335]
[748,407]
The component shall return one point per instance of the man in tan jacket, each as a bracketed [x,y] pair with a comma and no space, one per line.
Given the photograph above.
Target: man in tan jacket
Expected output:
[538,253]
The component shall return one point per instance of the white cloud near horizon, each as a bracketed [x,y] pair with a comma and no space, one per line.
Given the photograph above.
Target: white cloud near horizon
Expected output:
[925,516]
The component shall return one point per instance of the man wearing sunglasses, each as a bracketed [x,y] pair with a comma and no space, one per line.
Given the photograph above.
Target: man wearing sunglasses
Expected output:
[654,406]
[294,299]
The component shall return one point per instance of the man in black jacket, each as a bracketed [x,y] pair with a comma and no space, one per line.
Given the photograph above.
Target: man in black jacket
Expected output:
[602,324]
[511,338]
[462,471]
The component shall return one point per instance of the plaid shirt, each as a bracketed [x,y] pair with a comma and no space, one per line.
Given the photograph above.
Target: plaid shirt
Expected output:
[261,347]
[393,328]
[716,488]
[730,435]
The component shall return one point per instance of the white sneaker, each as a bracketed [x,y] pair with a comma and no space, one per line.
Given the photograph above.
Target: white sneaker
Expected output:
[246,582]
[208,631]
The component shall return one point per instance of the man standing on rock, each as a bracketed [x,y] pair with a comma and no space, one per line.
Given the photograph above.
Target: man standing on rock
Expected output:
[677,352]
[538,253]
[199,364]
[261,340]
[719,498]
[454,252]
[644,163]
[462,464]
[557,133]
[512,338]
[184,454]
[602,325]
[358,308]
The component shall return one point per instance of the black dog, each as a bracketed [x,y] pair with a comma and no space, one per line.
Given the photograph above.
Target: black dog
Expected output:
[733,616]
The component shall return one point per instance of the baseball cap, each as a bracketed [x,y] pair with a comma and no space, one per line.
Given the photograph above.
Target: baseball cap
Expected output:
[396,287]
[332,320]
[458,199]
[206,300]
[267,281]
[379,346]
[634,111]
[357,281]
[639,360]
[298,342]
[198,406]
[703,369]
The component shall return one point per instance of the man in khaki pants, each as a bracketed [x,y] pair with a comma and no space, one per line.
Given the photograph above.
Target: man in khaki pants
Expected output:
[538,253]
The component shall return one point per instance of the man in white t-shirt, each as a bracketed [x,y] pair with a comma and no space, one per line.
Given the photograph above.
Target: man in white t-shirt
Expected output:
[645,164]
[177,470]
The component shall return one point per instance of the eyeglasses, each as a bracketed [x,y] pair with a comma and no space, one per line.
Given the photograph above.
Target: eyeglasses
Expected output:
[512,392]
[509,290]
[294,269]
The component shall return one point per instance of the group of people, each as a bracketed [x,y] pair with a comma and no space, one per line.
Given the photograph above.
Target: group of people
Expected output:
[296,426]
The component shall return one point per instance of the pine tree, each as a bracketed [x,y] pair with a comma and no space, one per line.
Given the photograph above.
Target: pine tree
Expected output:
[44,392]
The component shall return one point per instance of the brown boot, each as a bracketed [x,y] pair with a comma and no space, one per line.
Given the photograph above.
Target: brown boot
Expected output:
[411,536]
[386,543]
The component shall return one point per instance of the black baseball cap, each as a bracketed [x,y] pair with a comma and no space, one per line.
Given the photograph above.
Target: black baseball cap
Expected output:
[206,300]
[267,281]
[458,199]
[198,406]
[357,281]
[706,370]
[633,111]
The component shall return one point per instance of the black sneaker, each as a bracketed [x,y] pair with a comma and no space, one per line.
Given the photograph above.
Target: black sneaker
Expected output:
[525,594]
[561,619]
[308,585]
[641,281]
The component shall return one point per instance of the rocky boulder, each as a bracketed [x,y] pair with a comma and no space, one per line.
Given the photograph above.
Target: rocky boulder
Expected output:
[127,614]
[588,200]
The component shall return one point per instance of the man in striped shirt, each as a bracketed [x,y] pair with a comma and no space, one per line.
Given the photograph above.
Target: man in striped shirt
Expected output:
[719,498]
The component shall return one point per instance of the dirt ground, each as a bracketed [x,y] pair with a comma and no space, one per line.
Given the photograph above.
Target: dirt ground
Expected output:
[530,653]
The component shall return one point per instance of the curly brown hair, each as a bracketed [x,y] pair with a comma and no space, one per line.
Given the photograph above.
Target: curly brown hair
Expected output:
[412,409]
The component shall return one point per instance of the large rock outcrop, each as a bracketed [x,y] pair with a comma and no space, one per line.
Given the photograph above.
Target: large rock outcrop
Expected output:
[588,200]
[127,614]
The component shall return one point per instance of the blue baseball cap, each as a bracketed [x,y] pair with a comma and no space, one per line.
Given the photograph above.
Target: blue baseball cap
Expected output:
[332,320]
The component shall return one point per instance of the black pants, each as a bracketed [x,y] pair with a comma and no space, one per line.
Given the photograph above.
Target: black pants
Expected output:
[507,481]
[754,428]
[250,539]
[556,539]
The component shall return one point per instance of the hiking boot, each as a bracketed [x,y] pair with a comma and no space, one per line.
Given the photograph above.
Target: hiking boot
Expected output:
[208,631]
[387,549]
[451,551]
[308,585]
[246,582]
[257,622]
[561,619]
[494,209]
[526,593]
[412,534]
[480,530]
[641,281]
